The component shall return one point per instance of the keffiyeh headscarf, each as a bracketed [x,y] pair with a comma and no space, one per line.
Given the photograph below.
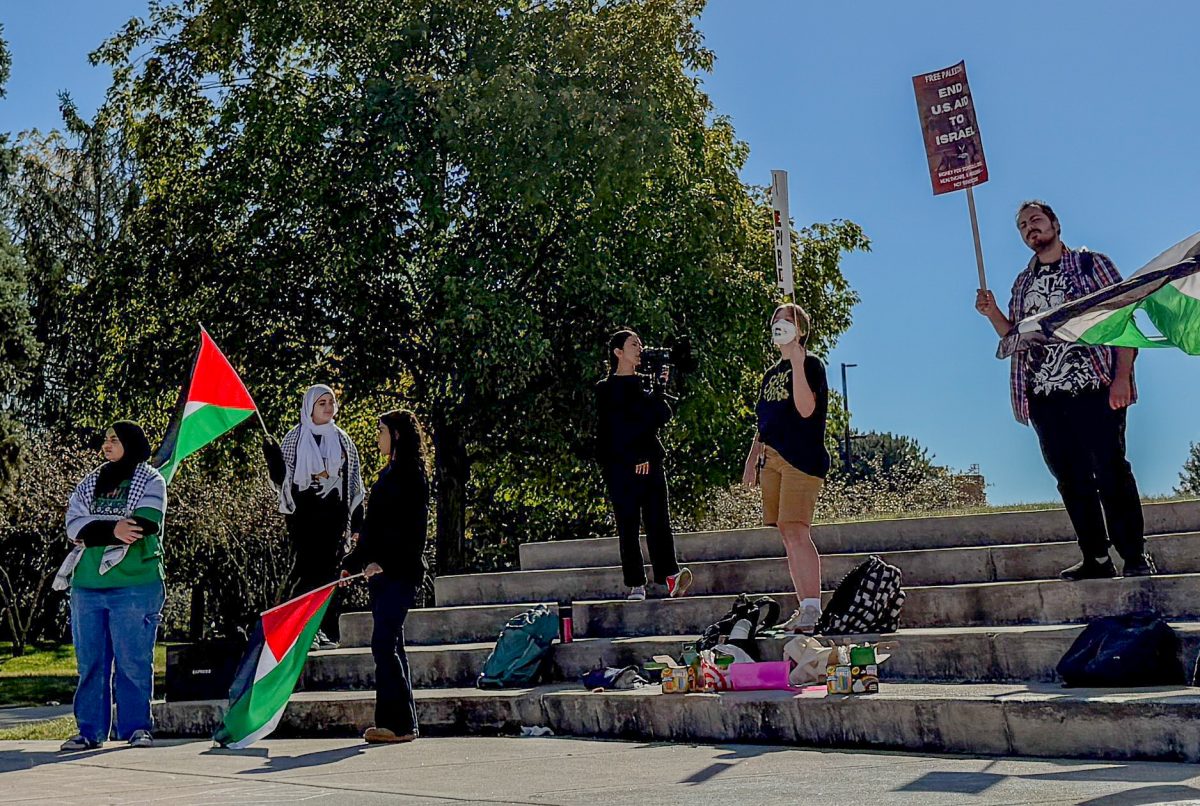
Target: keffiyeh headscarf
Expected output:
[306,459]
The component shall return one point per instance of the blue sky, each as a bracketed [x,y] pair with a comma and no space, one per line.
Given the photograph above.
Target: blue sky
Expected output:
[1090,105]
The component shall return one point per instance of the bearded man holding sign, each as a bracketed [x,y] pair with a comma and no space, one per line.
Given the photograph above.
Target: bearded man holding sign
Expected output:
[1076,396]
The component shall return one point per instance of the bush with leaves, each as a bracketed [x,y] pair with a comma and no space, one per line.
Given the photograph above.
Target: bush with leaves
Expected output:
[33,539]
[902,489]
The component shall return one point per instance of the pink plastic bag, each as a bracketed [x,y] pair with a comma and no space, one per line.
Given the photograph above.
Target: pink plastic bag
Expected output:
[768,675]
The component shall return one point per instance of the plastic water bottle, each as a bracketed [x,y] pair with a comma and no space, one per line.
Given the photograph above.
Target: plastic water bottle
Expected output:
[566,630]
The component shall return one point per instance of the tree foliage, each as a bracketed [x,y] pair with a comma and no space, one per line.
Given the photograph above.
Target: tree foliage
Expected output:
[1189,477]
[18,348]
[441,204]
[874,451]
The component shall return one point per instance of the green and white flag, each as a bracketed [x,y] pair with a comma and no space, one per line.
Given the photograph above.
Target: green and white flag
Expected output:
[1167,289]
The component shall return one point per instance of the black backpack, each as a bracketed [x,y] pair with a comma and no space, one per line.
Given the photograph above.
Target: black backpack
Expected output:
[762,613]
[1135,649]
[867,600]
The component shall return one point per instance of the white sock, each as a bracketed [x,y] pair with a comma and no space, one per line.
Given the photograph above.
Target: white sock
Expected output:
[812,601]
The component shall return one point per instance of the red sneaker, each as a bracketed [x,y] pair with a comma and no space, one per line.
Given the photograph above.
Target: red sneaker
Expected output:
[678,584]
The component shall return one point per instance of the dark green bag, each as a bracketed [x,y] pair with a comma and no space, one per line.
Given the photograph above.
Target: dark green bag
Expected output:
[522,649]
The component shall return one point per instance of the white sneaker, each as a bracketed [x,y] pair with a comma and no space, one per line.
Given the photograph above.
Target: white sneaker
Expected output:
[804,620]
[637,594]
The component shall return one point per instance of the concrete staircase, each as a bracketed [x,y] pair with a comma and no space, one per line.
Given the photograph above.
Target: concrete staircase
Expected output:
[985,622]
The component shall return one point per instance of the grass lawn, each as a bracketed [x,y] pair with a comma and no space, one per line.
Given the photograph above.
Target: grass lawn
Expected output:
[47,674]
[56,729]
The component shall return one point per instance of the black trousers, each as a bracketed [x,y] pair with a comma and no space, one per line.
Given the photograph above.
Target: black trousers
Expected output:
[395,707]
[317,533]
[642,498]
[1083,442]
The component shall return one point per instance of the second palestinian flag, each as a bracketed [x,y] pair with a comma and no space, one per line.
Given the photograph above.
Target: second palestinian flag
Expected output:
[212,401]
[270,668]
[1167,289]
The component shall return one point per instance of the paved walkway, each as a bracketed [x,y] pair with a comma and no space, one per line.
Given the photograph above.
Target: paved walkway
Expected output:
[15,717]
[566,772]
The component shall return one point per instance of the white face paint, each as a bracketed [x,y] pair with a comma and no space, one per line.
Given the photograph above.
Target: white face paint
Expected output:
[783,332]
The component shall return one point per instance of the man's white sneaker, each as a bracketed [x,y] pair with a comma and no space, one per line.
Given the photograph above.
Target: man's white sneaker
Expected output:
[637,594]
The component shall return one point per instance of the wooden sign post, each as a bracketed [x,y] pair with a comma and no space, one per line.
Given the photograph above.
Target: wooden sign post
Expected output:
[782,223]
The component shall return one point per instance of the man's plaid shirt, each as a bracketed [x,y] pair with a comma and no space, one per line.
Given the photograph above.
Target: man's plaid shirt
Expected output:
[1081,282]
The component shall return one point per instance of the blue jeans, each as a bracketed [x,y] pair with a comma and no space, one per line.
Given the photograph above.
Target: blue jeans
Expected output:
[114,630]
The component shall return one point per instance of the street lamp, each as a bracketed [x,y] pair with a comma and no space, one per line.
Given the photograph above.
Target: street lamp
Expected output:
[846,454]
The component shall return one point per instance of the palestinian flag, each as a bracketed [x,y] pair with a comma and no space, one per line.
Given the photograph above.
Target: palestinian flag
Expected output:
[1167,289]
[211,402]
[270,668]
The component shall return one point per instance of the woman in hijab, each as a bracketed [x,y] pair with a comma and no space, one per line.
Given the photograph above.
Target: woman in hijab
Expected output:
[391,552]
[114,571]
[319,477]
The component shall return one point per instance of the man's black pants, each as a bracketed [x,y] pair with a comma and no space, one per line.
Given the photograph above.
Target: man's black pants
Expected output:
[642,498]
[1083,442]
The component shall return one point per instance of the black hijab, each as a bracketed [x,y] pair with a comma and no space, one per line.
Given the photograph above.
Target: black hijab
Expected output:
[137,450]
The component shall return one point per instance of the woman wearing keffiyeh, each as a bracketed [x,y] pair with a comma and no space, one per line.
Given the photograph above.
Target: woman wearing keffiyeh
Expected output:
[114,570]
[319,476]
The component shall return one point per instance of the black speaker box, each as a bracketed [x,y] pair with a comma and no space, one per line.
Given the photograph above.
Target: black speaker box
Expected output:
[202,671]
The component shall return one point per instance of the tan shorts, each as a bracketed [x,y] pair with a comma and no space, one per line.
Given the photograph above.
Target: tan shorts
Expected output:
[788,495]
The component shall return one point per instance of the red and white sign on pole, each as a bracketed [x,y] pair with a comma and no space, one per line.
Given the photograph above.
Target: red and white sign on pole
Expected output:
[782,222]
[952,142]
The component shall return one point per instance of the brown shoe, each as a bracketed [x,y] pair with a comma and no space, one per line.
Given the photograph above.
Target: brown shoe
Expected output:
[385,736]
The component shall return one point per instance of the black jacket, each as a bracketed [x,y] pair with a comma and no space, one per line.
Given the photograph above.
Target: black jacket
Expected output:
[629,421]
[394,531]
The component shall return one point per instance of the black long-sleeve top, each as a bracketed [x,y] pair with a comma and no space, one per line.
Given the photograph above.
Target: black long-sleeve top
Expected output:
[394,532]
[629,421]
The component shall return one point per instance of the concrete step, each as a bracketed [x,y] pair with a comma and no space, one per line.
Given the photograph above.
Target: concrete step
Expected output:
[969,605]
[986,719]
[1175,554]
[955,531]
[957,654]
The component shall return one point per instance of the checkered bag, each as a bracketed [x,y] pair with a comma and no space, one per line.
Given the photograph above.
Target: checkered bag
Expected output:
[868,600]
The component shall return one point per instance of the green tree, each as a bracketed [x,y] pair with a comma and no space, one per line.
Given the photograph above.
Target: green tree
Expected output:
[68,198]
[18,348]
[1189,477]
[448,204]
[876,452]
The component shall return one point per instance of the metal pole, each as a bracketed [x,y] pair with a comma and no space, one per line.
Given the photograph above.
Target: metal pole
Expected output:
[847,454]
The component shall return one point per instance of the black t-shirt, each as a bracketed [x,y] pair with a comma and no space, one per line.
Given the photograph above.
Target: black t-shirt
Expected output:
[799,440]
[629,421]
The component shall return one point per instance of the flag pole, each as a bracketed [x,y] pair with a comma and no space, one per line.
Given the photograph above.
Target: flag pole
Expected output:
[260,422]
[975,233]
[332,584]
[257,413]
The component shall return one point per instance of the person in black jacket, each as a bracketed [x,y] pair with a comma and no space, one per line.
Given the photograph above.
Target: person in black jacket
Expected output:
[391,552]
[631,458]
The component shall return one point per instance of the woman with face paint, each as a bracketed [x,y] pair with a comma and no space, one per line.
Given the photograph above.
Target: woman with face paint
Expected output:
[114,571]
[788,456]
[631,458]
[391,553]
[319,476]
